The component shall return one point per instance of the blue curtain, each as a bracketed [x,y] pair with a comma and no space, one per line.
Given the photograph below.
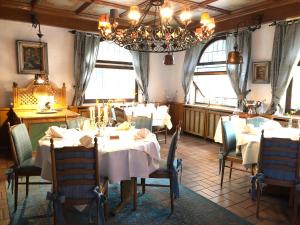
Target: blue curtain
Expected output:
[141,67]
[190,62]
[285,50]
[238,74]
[85,56]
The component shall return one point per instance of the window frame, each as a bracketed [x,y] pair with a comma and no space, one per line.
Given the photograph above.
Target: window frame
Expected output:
[121,65]
[288,100]
[209,72]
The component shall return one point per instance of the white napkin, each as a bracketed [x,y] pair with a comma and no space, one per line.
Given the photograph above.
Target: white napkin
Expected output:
[124,126]
[86,141]
[141,134]
[271,125]
[55,132]
[250,129]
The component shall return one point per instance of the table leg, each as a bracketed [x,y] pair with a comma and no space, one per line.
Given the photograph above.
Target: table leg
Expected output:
[128,187]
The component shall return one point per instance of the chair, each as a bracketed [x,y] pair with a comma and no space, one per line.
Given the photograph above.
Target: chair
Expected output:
[23,161]
[120,115]
[75,123]
[76,180]
[228,151]
[162,129]
[257,121]
[143,122]
[279,164]
[168,169]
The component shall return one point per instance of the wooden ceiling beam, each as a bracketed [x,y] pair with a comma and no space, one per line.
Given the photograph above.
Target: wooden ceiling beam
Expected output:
[33,3]
[83,7]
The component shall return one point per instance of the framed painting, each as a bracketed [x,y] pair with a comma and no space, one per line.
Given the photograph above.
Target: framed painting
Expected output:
[32,57]
[260,72]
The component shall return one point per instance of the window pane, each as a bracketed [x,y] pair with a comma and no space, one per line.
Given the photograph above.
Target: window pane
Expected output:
[216,89]
[113,52]
[111,84]
[214,52]
[295,104]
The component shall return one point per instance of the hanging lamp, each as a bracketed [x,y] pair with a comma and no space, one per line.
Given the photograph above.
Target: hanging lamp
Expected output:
[235,57]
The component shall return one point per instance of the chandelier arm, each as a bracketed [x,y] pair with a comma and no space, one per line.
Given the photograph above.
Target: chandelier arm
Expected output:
[144,15]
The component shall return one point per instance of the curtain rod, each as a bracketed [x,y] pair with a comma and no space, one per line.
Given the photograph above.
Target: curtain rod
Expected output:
[88,33]
[288,21]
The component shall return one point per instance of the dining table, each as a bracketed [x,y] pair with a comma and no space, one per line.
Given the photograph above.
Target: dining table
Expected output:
[121,159]
[248,137]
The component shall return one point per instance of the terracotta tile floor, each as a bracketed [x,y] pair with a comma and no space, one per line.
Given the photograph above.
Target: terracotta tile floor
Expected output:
[200,174]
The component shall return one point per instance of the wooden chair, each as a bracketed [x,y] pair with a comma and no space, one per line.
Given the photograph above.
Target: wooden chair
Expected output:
[143,122]
[168,169]
[279,165]
[162,130]
[76,179]
[228,152]
[24,166]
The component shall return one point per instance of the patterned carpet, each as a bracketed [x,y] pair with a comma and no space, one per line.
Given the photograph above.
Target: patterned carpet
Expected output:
[153,208]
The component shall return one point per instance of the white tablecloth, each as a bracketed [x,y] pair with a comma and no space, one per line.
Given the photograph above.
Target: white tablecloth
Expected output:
[119,159]
[161,117]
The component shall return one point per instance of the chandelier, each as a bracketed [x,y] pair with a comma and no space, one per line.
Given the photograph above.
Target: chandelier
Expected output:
[165,33]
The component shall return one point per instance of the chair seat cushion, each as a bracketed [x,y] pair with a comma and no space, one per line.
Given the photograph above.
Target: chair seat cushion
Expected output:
[28,168]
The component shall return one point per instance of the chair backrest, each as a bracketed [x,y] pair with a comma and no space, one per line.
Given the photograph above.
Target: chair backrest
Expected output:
[74,123]
[120,115]
[75,172]
[257,121]
[229,136]
[20,143]
[173,146]
[143,122]
[279,160]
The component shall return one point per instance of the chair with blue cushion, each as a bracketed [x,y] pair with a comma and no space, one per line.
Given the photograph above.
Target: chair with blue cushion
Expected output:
[168,169]
[76,180]
[279,165]
[24,163]
[228,151]
[143,122]
[257,121]
[75,123]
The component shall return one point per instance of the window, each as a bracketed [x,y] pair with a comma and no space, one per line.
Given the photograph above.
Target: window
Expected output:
[211,82]
[113,77]
[293,97]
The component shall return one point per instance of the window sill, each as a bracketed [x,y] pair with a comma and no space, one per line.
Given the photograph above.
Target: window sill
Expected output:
[212,107]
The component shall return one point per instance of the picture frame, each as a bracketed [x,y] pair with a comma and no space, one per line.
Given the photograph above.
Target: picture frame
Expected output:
[260,72]
[32,57]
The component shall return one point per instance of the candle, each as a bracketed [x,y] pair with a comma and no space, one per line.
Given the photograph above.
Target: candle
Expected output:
[105,113]
[98,106]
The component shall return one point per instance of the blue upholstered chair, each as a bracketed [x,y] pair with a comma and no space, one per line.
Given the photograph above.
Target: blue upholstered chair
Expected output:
[257,121]
[75,123]
[24,166]
[168,169]
[228,151]
[143,122]
[76,180]
[279,164]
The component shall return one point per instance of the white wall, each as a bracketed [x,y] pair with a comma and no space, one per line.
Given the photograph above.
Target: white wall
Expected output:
[60,57]
[262,45]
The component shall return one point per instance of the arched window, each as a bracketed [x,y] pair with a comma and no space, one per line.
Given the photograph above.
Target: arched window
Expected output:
[113,77]
[211,82]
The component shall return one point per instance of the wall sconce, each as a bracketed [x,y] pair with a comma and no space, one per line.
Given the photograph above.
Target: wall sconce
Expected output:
[41,79]
[169,59]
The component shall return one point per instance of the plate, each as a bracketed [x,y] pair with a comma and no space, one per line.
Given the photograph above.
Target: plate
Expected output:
[47,112]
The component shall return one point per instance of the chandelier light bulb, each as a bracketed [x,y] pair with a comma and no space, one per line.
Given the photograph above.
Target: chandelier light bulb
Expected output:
[205,18]
[134,14]
[211,25]
[186,15]
[166,11]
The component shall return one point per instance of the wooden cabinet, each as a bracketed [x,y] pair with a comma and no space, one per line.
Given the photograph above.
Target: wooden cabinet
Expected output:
[202,120]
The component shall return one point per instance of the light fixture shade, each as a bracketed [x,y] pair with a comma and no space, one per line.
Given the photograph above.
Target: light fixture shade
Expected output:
[234,57]
[186,15]
[169,59]
[205,18]
[166,11]
[134,13]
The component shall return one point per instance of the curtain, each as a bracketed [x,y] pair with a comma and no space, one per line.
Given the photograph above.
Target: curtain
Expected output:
[190,62]
[285,50]
[141,67]
[238,74]
[85,56]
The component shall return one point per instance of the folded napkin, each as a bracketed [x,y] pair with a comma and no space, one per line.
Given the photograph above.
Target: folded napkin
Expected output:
[55,132]
[124,126]
[86,141]
[141,134]
[250,129]
[271,125]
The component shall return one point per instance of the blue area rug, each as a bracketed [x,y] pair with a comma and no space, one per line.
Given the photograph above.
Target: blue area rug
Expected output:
[153,208]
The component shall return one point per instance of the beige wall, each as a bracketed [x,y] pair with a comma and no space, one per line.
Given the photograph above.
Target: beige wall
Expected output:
[60,57]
